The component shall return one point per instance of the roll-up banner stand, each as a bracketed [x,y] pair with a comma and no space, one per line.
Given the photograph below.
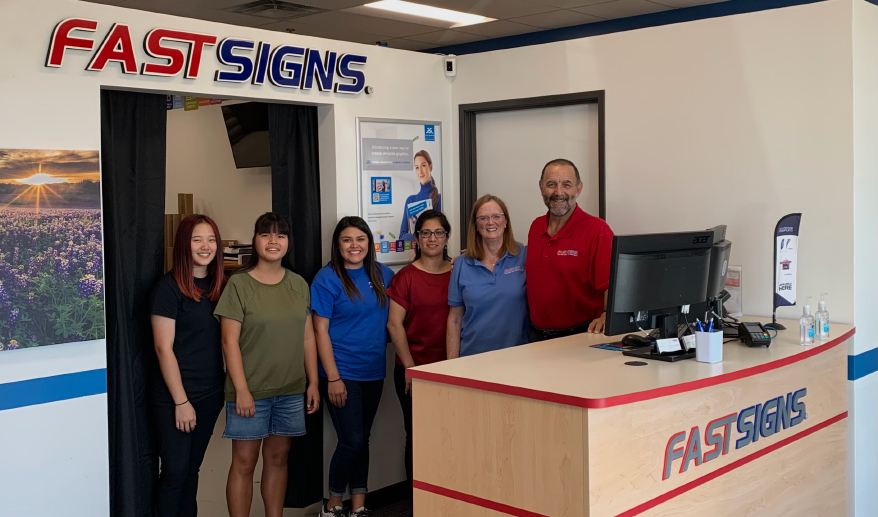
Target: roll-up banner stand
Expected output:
[786,248]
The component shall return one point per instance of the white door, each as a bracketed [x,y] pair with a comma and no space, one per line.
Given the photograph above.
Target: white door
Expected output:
[513,146]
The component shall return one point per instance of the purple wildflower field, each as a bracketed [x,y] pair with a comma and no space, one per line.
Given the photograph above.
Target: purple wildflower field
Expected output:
[51,281]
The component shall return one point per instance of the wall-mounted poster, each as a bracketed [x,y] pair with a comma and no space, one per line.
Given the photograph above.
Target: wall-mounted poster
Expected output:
[51,253]
[400,176]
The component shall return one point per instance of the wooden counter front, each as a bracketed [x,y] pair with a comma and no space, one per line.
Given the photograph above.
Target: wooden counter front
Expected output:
[562,429]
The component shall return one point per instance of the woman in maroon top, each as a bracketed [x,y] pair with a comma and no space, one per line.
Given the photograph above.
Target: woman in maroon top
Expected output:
[419,311]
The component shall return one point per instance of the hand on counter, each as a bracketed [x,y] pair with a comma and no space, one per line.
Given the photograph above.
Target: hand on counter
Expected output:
[597,324]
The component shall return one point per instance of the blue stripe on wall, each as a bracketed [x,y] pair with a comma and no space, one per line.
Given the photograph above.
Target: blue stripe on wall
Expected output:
[688,14]
[863,364]
[52,389]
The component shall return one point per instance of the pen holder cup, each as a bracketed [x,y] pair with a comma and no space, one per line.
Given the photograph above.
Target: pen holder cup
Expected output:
[709,347]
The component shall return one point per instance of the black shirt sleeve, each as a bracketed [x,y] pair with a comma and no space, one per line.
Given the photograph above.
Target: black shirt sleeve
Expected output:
[166,298]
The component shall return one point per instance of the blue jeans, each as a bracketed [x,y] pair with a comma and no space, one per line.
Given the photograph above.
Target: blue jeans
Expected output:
[353,425]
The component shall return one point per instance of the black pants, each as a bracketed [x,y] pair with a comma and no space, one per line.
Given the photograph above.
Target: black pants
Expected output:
[349,466]
[535,334]
[181,454]
[405,401]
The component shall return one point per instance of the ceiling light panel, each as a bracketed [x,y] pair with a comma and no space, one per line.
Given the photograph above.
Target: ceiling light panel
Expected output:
[456,18]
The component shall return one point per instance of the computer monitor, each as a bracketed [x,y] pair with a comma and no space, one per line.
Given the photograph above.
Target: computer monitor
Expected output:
[652,277]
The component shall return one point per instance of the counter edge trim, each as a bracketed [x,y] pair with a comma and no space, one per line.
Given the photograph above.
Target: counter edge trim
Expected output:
[630,398]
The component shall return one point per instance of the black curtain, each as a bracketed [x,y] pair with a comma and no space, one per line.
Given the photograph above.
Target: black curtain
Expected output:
[295,194]
[133,134]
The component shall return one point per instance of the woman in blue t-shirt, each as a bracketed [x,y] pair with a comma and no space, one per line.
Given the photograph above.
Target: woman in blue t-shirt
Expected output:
[429,190]
[350,306]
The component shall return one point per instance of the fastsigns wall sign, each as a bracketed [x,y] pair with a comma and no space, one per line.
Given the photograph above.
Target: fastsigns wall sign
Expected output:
[240,60]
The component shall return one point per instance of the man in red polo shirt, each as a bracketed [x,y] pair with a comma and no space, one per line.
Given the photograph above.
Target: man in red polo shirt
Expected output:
[568,260]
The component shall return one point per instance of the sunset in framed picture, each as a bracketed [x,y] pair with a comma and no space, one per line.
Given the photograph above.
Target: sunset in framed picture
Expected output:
[51,253]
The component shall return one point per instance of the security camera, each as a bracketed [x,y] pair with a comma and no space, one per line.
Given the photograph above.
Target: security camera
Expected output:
[450,65]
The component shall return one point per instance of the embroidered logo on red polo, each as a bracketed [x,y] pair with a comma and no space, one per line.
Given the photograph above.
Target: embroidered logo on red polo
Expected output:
[568,253]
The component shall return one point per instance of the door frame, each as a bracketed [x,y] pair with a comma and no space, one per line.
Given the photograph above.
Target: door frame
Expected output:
[468,167]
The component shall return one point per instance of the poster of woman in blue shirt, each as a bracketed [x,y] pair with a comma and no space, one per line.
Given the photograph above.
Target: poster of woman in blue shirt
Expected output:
[429,191]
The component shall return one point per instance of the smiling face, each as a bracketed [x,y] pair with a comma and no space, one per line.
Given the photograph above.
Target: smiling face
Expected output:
[353,245]
[490,221]
[270,247]
[432,246]
[203,244]
[423,169]
[560,188]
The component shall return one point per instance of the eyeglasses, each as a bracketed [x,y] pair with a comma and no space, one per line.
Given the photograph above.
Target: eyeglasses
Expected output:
[440,234]
[483,219]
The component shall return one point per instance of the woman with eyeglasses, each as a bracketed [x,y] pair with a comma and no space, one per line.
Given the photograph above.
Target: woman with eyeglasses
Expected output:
[487,291]
[419,311]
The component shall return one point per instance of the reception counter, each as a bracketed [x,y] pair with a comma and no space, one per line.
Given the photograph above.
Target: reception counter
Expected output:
[559,428]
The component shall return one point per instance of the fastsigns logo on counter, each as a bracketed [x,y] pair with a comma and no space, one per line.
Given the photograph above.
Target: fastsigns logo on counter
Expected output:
[285,66]
[761,420]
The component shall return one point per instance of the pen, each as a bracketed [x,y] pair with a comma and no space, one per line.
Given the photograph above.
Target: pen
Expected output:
[710,326]
[699,326]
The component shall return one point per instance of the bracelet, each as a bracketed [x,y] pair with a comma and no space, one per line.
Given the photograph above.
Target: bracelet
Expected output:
[181,403]
[336,380]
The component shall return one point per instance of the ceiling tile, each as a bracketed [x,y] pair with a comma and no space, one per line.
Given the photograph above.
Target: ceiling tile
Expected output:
[356,22]
[157,6]
[327,4]
[622,8]
[329,32]
[557,19]
[687,3]
[567,4]
[498,29]
[208,4]
[447,37]
[408,44]
[220,16]
[499,9]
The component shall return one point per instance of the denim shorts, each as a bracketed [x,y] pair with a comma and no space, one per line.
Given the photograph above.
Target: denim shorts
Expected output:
[281,416]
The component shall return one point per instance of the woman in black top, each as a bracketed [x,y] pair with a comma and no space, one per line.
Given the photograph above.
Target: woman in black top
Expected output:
[188,391]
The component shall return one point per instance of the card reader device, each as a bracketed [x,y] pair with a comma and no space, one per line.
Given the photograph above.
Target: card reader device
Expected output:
[754,334]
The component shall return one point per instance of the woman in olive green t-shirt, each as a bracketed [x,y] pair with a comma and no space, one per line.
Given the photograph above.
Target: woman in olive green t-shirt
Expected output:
[271,364]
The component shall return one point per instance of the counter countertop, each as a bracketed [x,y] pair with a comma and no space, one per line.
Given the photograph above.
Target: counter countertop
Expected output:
[569,371]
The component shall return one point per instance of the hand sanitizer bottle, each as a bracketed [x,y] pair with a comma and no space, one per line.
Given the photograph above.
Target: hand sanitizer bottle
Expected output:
[806,326]
[822,318]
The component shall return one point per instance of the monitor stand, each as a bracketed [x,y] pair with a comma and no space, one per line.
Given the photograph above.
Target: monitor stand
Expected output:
[667,325]
[650,353]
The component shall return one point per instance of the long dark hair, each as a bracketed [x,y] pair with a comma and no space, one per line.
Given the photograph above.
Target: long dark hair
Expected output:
[373,268]
[434,195]
[429,215]
[184,266]
[269,222]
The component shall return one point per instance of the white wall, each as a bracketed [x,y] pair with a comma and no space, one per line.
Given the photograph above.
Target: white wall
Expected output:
[46,108]
[200,162]
[863,392]
[736,120]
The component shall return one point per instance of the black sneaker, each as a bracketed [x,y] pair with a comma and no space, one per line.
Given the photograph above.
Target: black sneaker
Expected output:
[361,512]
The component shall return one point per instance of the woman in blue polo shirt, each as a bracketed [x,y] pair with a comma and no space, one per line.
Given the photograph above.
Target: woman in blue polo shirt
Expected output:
[350,307]
[487,292]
